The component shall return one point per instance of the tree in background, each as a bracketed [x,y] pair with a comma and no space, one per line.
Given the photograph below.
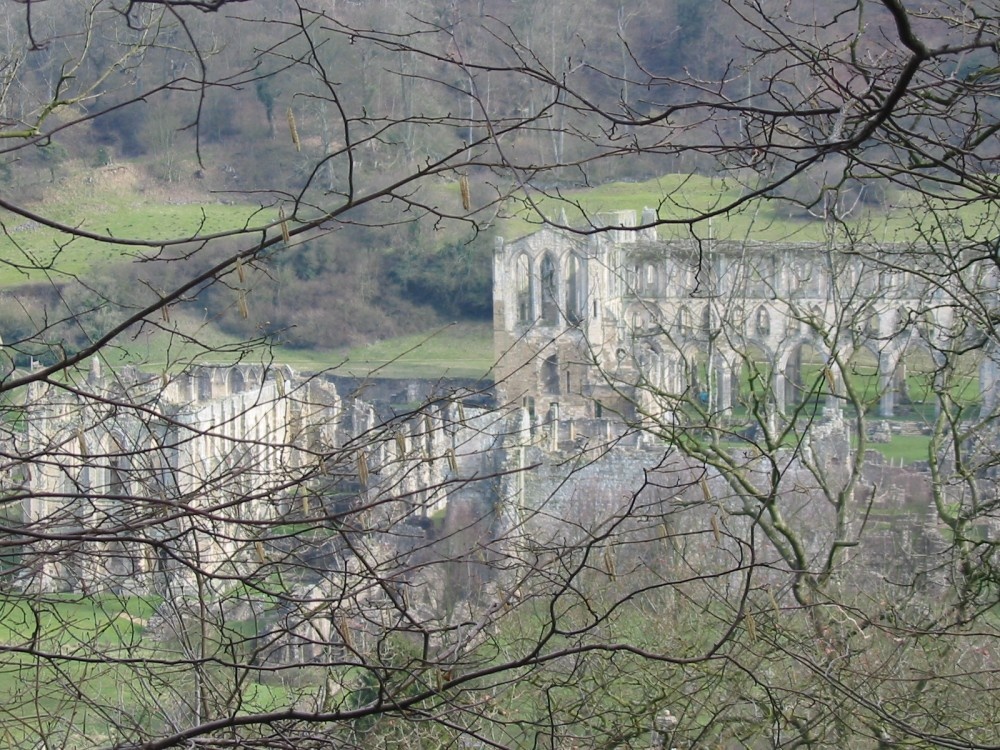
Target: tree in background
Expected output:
[240,557]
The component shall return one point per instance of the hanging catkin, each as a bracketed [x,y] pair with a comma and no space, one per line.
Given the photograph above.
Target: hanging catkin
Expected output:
[463,185]
[293,129]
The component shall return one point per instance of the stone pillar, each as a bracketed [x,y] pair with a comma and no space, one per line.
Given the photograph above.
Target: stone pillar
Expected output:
[779,392]
[724,385]
[887,401]
[664,726]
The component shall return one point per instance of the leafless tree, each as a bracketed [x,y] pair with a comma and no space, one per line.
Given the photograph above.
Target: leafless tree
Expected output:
[202,548]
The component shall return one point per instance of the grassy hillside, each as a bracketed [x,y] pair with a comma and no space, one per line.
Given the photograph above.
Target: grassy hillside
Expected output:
[352,283]
[113,202]
[894,217]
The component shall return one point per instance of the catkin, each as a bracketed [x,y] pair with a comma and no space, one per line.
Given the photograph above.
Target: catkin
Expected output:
[293,129]
[751,627]
[344,631]
[609,563]
[774,602]
[463,185]
[285,236]
[363,468]
[831,382]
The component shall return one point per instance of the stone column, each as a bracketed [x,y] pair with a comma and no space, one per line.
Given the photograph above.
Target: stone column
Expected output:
[664,726]
[887,401]
[554,426]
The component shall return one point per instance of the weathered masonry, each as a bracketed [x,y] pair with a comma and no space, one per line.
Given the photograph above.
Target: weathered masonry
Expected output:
[186,468]
[617,321]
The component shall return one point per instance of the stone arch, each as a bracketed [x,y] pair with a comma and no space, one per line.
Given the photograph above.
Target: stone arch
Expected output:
[119,465]
[803,375]
[866,360]
[235,381]
[708,320]
[524,291]
[873,324]
[649,279]
[684,321]
[805,280]
[549,274]
[694,372]
[909,379]
[253,376]
[203,378]
[810,320]
[636,321]
[928,327]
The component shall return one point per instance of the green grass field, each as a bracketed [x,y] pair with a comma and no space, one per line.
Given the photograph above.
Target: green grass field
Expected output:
[459,350]
[35,253]
[685,199]
[79,673]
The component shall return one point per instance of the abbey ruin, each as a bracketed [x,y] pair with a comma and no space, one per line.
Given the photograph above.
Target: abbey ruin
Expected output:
[608,344]
[615,320]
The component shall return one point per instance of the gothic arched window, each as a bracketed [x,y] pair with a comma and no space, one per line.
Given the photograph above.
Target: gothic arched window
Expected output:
[762,322]
[550,374]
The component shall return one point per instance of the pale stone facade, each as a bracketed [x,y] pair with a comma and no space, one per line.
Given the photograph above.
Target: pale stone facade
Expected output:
[610,322]
[187,467]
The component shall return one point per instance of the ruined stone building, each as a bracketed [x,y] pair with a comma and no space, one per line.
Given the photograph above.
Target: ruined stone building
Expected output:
[616,346]
[187,467]
[601,338]
[614,321]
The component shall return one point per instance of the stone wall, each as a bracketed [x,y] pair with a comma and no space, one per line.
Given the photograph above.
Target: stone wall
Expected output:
[193,459]
[608,321]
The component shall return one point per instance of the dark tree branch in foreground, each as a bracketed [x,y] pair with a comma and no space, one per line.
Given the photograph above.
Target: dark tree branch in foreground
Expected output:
[661,522]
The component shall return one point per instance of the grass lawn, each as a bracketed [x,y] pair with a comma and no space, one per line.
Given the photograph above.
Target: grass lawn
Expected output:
[30,252]
[458,350]
[87,680]
[686,198]
[909,448]
[906,448]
